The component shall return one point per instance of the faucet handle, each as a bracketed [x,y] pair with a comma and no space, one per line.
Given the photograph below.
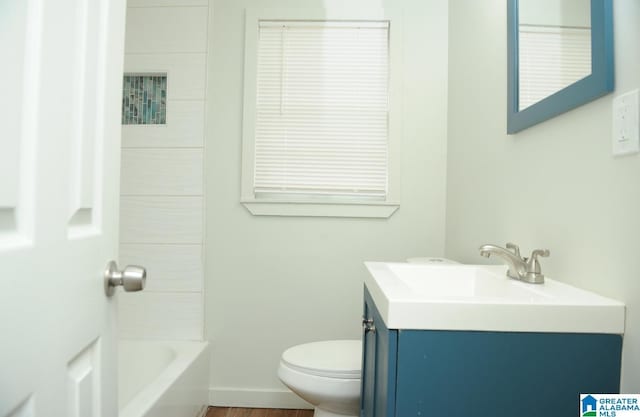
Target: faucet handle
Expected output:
[533,265]
[540,252]
[515,248]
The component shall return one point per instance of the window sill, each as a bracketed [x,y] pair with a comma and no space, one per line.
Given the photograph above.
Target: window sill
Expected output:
[381,210]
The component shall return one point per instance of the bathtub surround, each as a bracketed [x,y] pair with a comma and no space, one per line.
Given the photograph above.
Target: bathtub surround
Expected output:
[162,205]
[159,379]
[554,185]
[274,282]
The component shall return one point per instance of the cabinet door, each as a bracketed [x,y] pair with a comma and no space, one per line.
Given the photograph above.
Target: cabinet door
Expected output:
[501,374]
[379,366]
[367,389]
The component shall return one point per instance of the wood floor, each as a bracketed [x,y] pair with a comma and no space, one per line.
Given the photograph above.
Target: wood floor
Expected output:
[256,412]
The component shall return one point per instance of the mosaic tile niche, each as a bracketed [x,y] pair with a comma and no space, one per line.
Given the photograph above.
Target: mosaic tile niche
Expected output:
[144,99]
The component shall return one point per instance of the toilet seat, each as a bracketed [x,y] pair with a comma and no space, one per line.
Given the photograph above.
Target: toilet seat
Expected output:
[339,359]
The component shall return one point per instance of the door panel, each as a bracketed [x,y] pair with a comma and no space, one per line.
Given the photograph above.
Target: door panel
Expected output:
[89,37]
[61,83]
[20,46]
[83,382]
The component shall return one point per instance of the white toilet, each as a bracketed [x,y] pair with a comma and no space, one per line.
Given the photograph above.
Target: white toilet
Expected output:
[325,374]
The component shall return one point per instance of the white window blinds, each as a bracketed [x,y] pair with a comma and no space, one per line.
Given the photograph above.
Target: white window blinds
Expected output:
[551,58]
[322,109]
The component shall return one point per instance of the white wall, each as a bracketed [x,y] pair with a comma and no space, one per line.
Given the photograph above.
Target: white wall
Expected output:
[554,185]
[273,282]
[162,193]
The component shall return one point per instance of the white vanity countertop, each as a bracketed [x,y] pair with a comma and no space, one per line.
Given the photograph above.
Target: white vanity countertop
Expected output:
[483,298]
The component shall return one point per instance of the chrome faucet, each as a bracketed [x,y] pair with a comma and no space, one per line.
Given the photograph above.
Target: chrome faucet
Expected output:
[522,269]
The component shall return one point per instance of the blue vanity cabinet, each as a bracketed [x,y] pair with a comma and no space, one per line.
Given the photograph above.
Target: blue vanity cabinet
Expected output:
[475,374]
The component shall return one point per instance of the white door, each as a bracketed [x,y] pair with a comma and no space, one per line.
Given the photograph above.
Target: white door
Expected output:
[60,85]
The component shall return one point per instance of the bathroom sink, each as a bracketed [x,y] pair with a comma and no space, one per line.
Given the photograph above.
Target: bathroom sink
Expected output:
[482,298]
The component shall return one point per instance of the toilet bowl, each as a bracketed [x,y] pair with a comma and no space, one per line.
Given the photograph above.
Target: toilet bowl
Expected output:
[325,374]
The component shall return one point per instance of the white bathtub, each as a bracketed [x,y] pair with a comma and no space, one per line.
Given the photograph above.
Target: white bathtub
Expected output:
[162,379]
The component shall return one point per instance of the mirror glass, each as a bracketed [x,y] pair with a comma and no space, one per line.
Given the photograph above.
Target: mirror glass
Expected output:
[560,56]
[554,47]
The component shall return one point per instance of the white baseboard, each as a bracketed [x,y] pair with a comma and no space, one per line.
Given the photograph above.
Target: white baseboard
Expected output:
[255,398]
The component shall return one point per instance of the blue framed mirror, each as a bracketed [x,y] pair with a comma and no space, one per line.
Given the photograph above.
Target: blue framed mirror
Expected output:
[560,56]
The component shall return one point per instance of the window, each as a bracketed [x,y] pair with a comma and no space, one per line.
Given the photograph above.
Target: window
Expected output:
[317,129]
[551,58]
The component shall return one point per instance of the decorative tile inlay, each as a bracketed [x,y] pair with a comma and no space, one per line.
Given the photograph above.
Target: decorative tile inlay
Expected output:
[144,99]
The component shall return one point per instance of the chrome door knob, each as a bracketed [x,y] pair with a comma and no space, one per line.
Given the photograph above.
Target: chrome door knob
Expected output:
[131,278]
